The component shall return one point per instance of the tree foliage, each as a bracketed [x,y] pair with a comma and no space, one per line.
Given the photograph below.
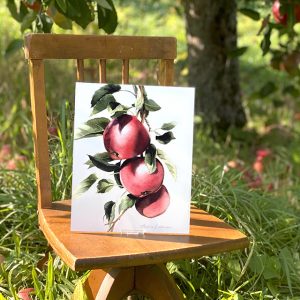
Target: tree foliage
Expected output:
[40,15]
[279,17]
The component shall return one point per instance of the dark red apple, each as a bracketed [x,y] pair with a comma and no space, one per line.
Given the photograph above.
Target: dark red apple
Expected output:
[278,17]
[137,179]
[36,5]
[154,204]
[125,137]
[282,18]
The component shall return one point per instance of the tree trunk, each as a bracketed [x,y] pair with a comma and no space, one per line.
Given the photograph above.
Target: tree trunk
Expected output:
[213,69]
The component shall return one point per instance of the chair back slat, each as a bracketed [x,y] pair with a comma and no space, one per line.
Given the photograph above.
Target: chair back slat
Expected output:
[68,46]
[166,72]
[80,70]
[125,71]
[102,70]
[39,47]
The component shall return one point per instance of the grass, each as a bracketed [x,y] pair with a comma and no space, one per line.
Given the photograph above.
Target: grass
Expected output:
[268,213]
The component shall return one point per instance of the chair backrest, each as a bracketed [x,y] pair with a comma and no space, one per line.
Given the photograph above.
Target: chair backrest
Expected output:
[40,47]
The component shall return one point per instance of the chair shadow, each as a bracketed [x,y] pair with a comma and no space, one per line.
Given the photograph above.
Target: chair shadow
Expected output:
[196,225]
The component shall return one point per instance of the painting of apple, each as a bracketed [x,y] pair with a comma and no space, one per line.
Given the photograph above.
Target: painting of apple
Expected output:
[132,163]
[125,137]
[154,204]
[138,180]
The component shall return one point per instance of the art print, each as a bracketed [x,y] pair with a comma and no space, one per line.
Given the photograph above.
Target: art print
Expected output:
[132,158]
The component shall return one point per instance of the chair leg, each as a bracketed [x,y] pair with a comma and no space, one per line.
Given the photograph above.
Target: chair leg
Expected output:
[156,282]
[111,284]
[153,281]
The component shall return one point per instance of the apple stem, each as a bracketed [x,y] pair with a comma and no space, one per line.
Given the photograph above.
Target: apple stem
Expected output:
[147,122]
[112,224]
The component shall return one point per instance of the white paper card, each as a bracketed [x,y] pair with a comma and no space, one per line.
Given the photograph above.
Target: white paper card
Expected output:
[139,145]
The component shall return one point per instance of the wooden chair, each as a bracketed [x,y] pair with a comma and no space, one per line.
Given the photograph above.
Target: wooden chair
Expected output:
[122,265]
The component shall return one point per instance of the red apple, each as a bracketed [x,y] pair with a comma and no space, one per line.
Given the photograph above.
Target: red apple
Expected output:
[35,6]
[282,18]
[154,204]
[125,137]
[24,294]
[52,131]
[137,179]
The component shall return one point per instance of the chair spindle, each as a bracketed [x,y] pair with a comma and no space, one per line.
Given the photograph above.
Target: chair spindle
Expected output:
[80,69]
[102,70]
[125,71]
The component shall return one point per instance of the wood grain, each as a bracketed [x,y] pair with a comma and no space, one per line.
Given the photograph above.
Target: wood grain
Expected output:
[125,71]
[67,46]
[102,70]
[156,282]
[40,132]
[81,251]
[116,283]
[80,70]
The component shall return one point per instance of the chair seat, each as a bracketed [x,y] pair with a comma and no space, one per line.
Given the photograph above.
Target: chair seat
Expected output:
[81,251]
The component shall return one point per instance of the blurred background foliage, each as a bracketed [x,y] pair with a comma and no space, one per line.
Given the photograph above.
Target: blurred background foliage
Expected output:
[248,177]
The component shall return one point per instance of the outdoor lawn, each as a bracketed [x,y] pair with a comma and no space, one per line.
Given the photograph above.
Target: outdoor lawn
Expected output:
[249,177]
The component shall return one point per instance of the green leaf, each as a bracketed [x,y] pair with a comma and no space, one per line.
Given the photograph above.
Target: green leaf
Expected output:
[127,202]
[150,158]
[140,99]
[79,11]
[102,103]
[135,89]
[38,288]
[287,263]
[267,89]
[23,11]
[59,19]
[117,176]
[85,184]
[107,18]
[44,23]
[254,15]
[272,268]
[79,292]
[291,90]
[266,41]
[151,105]
[13,47]
[104,90]
[234,268]
[237,52]
[168,126]
[91,128]
[102,165]
[103,156]
[104,185]
[171,167]
[104,4]
[27,21]
[62,5]
[116,109]
[165,138]
[50,279]
[12,7]
[109,209]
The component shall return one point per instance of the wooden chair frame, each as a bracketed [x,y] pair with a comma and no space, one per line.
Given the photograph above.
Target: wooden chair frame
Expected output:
[121,264]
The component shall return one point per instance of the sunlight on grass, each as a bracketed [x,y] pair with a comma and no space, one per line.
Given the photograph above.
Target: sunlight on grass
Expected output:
[262,200]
